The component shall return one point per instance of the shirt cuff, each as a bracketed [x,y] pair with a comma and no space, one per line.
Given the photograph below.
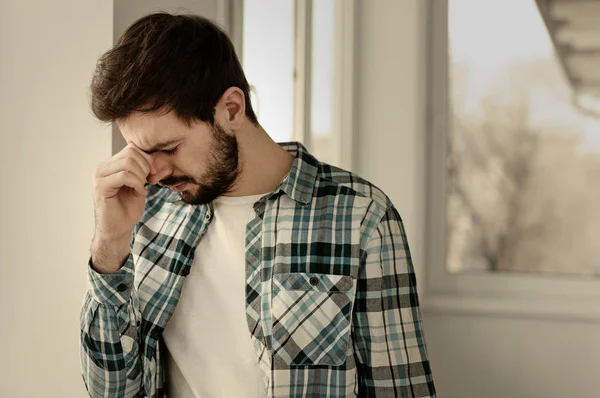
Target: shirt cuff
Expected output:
[112,289]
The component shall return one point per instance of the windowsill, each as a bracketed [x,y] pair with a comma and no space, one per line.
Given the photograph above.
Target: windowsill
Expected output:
[512,295]
[525,307]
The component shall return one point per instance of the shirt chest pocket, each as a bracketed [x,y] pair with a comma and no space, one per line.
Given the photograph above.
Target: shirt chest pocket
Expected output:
[311,316]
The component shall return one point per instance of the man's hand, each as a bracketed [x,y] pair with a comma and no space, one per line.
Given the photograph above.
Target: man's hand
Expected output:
[119,200]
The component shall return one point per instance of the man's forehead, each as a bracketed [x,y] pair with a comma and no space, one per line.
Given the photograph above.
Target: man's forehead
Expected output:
[148,133]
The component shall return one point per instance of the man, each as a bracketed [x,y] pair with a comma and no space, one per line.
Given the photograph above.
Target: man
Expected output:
[224,264]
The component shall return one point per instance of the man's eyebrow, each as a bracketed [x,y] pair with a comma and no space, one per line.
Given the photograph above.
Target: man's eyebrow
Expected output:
[161,146]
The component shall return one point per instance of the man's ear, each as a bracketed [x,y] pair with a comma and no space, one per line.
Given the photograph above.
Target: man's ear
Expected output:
[232,106]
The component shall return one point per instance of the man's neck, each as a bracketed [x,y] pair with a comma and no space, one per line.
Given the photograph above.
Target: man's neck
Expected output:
[263,162]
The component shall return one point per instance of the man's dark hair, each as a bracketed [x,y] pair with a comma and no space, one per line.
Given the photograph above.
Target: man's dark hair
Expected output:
[180,63]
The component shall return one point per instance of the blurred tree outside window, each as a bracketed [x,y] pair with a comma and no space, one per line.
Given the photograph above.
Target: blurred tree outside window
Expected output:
[523,163]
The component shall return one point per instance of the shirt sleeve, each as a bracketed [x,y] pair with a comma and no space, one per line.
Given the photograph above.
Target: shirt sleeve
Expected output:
[388,339]
[110,342]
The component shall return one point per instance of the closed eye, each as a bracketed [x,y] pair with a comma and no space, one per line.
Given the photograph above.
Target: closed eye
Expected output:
[172,151]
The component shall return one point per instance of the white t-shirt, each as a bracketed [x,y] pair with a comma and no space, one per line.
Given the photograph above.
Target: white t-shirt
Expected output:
[209,350]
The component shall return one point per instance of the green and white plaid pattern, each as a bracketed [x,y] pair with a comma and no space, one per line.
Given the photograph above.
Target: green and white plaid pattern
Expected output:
[331,298]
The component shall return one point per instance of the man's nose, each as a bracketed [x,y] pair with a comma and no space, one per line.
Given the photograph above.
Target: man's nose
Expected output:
[161,170]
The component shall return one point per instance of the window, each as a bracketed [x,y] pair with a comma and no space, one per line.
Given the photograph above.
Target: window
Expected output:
[298,57]
[268,59]
[523,160]
[513,150]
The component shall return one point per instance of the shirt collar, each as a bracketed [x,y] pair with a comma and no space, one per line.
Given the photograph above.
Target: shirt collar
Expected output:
[298,184]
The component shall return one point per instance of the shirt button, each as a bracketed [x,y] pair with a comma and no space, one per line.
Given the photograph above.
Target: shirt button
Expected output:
[314,281]
[122,287]
[207,217]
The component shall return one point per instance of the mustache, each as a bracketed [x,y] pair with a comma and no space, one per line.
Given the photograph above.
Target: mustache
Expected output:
[173,182]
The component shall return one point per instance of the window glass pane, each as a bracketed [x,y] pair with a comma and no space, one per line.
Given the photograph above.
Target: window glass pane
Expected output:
[323,143]
[269,63]
[523,159]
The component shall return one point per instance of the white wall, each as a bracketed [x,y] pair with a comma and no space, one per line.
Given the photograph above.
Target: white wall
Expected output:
[49,145]
[472,355]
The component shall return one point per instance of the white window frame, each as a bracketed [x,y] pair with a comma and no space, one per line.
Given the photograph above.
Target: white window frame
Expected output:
[485,293]
[230,15]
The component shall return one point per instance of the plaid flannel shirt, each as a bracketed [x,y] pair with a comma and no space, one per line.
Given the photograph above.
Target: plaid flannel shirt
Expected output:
[331,297]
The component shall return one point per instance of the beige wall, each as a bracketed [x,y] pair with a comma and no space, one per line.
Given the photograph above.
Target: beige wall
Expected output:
[49,145]
[499,357]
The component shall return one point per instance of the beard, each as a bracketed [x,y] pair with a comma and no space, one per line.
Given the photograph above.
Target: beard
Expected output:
[221,173]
